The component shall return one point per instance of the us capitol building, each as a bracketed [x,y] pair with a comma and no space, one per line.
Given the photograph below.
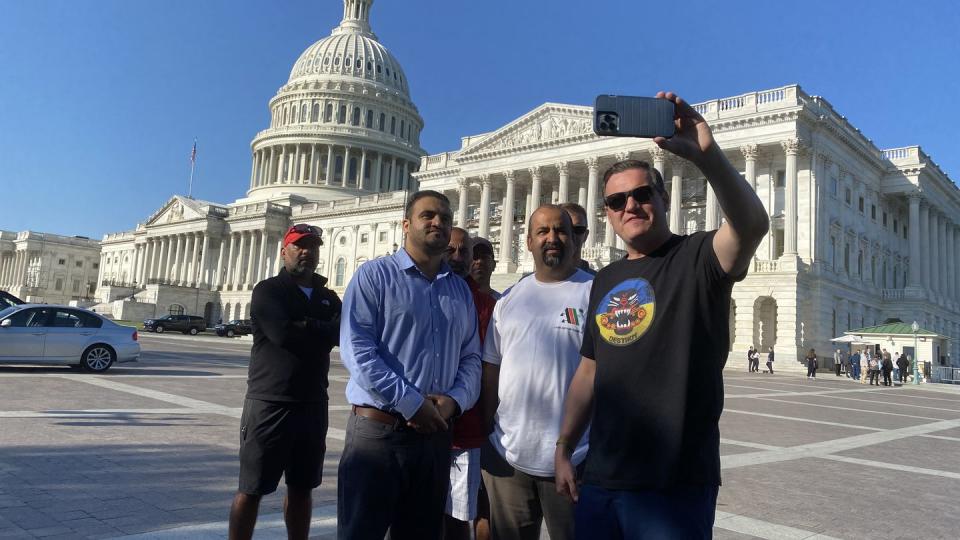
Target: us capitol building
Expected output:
[858,234]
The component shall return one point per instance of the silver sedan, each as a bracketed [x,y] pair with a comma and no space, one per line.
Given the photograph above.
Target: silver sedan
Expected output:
[46,334]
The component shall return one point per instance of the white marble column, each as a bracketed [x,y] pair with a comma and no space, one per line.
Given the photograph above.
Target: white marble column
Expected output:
[352,266]
[676,195]
[278,260]
[941,247]
[915,274]
[536,180]
[750,152]
[281,164]
[346,167]
[484,211]
[949,278]
[238,262]
[394,180]
[792,148]
[330,159]
[506,222]
[201,278]
[712,210]
[955,270]
[593,172]
[231,268]
[251,278]
[563,187]
[361,181]
[378,174]
[923,259]
[174,269]
[659,156]
[191,278]
[582,195]
[163,261]
[462,202]
[261,258]
[372,254]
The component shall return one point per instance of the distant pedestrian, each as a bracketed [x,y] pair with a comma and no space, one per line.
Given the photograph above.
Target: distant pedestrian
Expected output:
[904,365]
[855,365]
[750,360]
[873,365]
[770,361]
[756,360]
[812,364]
[837,362]
[886,368]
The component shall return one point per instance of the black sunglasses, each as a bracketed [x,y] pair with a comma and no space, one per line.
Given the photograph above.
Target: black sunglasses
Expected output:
[579,229]
[303,228]
[618,201]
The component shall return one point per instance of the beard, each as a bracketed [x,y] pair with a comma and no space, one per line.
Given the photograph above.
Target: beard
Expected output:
[551,260]
[301,267]
[459,268]
[435,243]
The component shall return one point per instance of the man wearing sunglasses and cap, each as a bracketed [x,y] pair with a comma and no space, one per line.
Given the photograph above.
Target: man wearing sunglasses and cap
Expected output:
[650,383]
[283,427]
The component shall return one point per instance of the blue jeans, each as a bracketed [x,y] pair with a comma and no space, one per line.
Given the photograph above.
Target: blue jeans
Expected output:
[678,512]
[856,371]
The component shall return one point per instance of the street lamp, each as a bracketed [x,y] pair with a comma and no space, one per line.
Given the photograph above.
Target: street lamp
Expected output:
[916,353]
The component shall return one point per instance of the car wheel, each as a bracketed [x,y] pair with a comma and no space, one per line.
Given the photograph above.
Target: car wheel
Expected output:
[231,333]
[97,358]
[159,330]
[194,331]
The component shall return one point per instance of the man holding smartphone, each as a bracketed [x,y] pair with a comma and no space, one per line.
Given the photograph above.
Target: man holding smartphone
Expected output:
[650,383]
[283,427]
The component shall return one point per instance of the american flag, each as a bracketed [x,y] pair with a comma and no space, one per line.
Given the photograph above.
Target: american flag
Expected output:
[193,153]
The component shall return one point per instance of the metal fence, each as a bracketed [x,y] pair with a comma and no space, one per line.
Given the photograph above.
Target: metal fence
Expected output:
[947,374]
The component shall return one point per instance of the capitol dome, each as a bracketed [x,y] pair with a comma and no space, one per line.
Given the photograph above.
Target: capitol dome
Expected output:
[344,124]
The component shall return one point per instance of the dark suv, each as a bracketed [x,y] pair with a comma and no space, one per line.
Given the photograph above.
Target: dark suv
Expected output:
[9,300]
[188,324]
[236,327]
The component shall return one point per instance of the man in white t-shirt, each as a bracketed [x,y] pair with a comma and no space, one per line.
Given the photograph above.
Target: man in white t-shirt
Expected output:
[534,337]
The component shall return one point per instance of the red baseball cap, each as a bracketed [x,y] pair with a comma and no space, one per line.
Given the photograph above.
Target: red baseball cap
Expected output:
[302,230]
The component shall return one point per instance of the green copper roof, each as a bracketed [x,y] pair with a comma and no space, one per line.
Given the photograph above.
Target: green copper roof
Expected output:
[899,328]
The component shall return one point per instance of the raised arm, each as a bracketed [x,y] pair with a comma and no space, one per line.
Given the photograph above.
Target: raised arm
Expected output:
[746,219]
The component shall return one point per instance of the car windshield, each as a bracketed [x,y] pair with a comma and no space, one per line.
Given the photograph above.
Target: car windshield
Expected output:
[6,311]
[236,321]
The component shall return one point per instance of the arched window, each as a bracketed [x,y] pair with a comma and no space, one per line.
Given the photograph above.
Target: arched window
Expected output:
[316,113]
[393,125]
[352,172]
[359,63]
[403,128]
[383,120]
[355,120]
[369,118]
[366,170]
[336,61]
[338,169]
[341,270]
[284,122]
[328,113]
[303,112]
[379,68]
[342,115]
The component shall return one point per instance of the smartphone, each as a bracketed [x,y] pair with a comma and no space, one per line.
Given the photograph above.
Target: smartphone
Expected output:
[630,116]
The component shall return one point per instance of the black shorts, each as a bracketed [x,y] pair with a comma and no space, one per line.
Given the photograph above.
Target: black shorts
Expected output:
[278,438]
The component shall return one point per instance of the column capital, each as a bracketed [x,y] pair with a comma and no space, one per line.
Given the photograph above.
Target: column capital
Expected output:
[462,182]
[658,154]
[794,146]
[622,156]
[509,176]
[750,152]
[563,167]
[484,179]
[535,172]
[592,163]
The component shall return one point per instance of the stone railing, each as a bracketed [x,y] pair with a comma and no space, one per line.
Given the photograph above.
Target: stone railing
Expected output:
[435,161]
[766,266]
[339,129]
[752,102]
[907,152]
[892,294]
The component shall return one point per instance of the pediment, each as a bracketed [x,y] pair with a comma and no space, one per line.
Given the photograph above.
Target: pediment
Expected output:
[546,124]
[175,210]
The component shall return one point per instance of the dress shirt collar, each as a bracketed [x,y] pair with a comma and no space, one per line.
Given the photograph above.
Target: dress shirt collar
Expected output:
[406,263]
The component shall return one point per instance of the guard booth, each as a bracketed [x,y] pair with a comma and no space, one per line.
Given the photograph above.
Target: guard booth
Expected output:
[929,348]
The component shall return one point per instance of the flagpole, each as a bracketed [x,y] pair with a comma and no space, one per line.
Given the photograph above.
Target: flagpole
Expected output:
[193,165]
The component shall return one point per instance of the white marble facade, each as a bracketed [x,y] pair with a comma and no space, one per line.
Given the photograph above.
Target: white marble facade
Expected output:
[342,152]
[49,268]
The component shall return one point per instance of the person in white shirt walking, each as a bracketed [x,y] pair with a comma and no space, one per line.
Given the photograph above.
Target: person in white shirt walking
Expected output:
[534,337]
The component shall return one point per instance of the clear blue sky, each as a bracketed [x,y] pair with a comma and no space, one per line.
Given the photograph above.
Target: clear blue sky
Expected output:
[100,100]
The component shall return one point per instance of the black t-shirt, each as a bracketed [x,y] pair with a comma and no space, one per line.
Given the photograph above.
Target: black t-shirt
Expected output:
[659,333]
[292,339]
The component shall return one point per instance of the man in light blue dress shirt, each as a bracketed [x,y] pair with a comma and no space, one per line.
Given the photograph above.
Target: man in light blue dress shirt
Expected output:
[409,339]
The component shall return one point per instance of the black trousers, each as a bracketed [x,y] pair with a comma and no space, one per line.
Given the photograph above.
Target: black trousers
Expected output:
[903,375]
[392,479]
[770,367]
[811,371]
[886,378]
[874,377]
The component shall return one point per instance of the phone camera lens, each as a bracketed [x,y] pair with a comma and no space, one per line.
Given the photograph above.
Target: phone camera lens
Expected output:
[604,126]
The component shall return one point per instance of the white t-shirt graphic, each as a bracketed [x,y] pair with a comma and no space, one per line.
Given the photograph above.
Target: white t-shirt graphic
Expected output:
[534,336]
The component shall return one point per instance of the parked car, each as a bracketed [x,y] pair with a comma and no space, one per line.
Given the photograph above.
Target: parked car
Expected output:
[236,327]
[48,334]
[9,300]
[188,324]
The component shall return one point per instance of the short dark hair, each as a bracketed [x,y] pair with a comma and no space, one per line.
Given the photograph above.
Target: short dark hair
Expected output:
[576,208]
[408,210]
[629,164]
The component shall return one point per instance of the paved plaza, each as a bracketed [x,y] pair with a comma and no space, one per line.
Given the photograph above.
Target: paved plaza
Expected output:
[149,451]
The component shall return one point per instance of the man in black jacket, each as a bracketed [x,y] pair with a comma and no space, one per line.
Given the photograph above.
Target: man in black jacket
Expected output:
[296,322]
